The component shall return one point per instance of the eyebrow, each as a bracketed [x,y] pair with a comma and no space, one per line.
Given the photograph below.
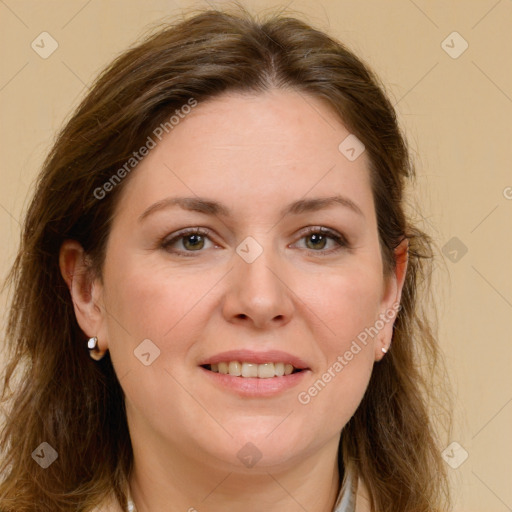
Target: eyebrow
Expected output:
[210,207]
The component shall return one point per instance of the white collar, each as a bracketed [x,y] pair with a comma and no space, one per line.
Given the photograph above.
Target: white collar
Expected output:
[346,501]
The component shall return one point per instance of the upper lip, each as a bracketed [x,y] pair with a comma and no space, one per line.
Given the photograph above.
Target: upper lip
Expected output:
[250,356]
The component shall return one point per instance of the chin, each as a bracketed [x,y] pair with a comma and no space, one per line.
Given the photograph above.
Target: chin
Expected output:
[257,448]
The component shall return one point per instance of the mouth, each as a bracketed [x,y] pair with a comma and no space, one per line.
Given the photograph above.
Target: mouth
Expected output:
[244,369]
[255,374]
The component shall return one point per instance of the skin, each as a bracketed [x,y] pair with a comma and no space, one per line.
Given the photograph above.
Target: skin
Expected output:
[254,154]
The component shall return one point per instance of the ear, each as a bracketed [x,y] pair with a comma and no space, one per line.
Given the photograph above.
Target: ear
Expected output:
[86,291]
[390,304]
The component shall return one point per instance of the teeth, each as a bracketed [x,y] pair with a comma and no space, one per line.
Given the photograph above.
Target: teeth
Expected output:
[279,369]
[235,368]
[249,370]
[262,371]
[266,370]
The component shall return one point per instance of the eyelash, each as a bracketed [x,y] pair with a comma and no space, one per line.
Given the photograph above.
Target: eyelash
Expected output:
[340,240]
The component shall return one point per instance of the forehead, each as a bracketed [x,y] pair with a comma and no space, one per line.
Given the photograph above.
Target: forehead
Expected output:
[273,147]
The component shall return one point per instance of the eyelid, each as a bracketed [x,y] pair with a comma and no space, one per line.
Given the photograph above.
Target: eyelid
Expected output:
[182,233]
[339,239]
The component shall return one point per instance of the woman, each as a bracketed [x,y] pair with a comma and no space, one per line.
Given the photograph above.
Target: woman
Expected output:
[220,226]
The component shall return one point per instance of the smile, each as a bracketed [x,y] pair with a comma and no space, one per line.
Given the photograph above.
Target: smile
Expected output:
[252,370]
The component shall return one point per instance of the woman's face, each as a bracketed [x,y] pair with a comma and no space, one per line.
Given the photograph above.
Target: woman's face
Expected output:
[252,287]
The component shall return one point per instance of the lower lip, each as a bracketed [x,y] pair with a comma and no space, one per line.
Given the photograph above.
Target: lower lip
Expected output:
[253,386]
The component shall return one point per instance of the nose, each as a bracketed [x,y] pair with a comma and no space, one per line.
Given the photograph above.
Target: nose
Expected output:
[257,292]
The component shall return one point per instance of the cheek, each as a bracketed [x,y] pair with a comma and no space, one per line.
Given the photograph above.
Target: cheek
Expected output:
[348,302]
[149,303]
[144,302]
[337,389]
[348,310]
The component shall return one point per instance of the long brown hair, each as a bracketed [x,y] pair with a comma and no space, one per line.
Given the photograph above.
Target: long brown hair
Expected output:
[62,397]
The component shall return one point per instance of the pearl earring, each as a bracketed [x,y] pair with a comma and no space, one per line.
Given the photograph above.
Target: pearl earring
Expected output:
[94,351]
[384,350]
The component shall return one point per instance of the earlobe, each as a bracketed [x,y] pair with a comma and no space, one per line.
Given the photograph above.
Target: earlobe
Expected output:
[84,289]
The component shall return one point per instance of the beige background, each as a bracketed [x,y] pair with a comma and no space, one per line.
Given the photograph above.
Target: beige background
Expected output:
[456,112]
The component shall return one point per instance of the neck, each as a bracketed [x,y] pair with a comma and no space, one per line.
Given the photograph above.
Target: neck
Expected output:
[168,479]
